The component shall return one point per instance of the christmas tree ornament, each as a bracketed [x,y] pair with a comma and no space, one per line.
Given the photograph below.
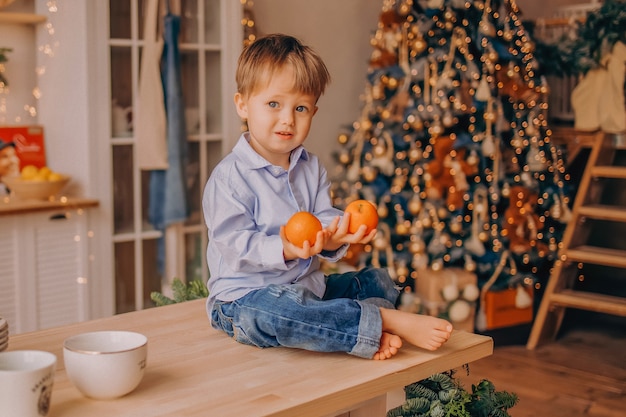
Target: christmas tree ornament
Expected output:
[419,261]
[470,293]
[507,33]
[368,173]
[450,292]
[456,225]
[402,228]
[483,92]
[522,299]
[415,205]
[447,120]
[459,311]
[516,141]
[506,190]
[485,26]
[344,157]
[469,264]
[382,209]
[405,7]
[535,161]
[488,145]
[439,241]
[417,244]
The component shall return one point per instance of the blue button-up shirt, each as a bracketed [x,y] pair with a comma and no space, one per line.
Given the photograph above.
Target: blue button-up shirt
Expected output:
[245,202]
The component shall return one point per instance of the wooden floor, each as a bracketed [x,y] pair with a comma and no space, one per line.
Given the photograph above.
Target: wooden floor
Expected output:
[582,373]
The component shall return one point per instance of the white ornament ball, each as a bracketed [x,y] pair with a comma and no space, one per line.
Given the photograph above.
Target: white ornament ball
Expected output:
[471,292]
[522,299]
[459,311]
[407,299]
[450,292]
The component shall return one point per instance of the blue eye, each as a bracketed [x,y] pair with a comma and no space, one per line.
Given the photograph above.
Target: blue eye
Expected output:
[301,109]
[273,104]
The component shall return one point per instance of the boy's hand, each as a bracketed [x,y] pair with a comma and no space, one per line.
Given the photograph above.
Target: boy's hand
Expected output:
[339,234]
[291,251]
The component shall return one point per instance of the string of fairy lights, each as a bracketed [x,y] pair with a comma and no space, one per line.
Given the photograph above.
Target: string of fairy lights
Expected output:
[46,48]
[248,23]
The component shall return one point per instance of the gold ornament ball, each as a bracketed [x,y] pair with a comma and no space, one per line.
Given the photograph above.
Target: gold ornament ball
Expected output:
[402,229]
[380,243]
[415,205]
[344,157]
[417,246]
[383,211]
[437,265]
[369,173]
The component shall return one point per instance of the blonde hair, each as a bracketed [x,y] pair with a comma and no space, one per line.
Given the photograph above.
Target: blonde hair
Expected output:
[268,54]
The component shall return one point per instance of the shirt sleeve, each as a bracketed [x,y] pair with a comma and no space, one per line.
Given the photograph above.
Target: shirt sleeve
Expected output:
[232,228]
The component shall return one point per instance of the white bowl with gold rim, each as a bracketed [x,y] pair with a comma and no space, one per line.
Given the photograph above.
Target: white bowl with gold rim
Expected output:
[105,364]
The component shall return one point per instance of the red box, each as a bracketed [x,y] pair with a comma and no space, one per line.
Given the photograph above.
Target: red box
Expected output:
[500,308]
[29,143]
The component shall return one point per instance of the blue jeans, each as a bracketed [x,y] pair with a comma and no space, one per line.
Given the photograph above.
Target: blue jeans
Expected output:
[346,319]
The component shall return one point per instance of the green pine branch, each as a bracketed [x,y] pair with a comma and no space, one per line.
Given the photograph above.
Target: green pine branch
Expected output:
[441,395]
[181,292]
[592,40]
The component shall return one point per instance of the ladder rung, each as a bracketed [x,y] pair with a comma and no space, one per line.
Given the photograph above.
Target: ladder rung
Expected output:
[596,255]
[608,171]
[603,212]
[583,300]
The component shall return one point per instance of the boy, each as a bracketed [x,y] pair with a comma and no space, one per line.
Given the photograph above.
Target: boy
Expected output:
[264,290]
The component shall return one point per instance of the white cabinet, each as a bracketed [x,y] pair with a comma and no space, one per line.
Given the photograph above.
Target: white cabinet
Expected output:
[98,60]
[45,269]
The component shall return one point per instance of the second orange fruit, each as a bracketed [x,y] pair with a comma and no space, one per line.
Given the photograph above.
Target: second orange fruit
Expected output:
[362,212]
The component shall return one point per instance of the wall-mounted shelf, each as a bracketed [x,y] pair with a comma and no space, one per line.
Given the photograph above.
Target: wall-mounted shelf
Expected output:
[22,18]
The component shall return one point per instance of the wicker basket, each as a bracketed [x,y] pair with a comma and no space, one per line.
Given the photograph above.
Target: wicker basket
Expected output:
[34,189]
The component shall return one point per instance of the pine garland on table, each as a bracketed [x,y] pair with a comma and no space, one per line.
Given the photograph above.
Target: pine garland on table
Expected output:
[440,395]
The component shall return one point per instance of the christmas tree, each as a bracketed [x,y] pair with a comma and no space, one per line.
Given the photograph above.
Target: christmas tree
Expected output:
[453,146]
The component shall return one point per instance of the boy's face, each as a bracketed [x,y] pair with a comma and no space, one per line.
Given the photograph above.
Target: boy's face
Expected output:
[279,118]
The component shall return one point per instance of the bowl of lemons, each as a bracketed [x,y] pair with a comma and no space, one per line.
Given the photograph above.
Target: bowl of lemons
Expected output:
[36,183]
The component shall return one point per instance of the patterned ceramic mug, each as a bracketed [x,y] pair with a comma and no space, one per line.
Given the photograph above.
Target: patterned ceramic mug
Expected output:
[26,379]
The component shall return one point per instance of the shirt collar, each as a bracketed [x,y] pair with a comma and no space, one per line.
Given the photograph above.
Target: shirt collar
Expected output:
[256,161]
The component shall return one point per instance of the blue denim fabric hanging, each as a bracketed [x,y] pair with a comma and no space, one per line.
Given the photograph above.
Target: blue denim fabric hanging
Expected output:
[168,192]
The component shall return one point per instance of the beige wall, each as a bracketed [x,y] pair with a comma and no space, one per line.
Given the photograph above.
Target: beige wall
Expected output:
[340,31]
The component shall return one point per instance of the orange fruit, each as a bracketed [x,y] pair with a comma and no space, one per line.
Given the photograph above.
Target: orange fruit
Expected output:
[301,227]
[362,212]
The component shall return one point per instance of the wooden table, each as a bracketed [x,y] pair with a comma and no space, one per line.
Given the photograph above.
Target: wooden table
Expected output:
[194,370]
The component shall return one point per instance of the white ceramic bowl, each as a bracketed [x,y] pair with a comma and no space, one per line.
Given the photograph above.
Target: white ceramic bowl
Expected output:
[106,364]
[35,189]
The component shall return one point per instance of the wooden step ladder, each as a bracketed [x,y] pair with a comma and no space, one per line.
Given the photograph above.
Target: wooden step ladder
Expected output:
[588,207]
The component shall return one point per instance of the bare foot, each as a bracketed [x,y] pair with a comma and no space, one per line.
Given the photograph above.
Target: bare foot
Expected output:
[389,345]
[423,331]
